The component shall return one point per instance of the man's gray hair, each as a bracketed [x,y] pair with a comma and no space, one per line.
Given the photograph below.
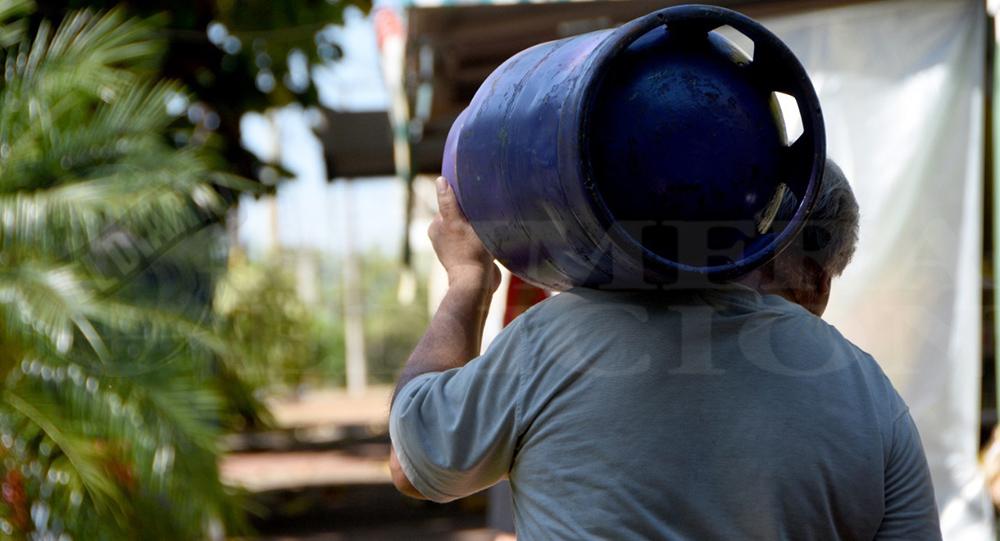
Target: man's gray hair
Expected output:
[830,236]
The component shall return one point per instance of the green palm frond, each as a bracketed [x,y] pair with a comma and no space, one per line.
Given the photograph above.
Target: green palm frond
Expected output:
[52,300]
[60,306]
[13,21]
[58,81]
[99,166]
[74,217]
[50,419]
[127,127]
[93,54]
[161,424]
[153,325]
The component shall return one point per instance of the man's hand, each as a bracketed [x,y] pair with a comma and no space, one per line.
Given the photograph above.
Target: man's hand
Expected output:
[457,246]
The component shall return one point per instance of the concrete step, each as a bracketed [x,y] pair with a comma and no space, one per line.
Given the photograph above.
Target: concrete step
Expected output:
[321,438]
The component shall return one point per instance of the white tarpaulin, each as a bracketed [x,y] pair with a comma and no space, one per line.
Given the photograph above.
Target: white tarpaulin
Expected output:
[901,85]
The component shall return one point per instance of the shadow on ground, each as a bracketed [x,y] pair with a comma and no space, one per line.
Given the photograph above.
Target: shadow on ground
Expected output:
[369,513]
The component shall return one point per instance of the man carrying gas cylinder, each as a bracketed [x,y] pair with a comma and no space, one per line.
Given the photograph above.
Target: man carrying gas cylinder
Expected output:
[698,397]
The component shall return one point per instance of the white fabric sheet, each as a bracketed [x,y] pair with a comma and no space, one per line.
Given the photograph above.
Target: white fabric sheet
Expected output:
[901,85]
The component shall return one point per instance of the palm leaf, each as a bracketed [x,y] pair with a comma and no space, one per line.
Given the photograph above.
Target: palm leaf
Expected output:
[128,126]
[87,53]
[51,299]
[74,216]
[48,416]
[164,426]
[54,80]
[13,21]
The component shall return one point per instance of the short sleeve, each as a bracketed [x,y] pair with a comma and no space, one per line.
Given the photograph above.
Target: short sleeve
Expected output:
[455,432]
[910,510]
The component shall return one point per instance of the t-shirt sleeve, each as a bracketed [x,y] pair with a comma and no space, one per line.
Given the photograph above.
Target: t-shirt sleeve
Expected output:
[910,510]
[455,432]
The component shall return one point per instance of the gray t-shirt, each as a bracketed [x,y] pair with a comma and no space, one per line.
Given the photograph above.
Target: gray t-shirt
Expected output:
[698,414]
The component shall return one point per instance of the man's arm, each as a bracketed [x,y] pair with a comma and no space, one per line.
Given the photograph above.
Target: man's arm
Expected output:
[454,335]
[910,510]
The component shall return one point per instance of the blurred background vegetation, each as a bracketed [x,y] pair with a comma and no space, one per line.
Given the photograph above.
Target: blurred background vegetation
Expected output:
[132,334]
[289,340]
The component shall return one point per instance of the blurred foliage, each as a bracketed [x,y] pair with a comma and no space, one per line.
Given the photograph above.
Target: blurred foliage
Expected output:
[116,376]
[113,387]
[235,57]
[392,329]
[285,342]
[290,341]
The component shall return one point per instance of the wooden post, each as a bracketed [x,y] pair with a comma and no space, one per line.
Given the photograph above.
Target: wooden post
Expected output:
[354,332]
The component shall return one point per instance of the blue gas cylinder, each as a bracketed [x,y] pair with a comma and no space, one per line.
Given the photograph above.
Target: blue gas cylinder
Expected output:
[654,154]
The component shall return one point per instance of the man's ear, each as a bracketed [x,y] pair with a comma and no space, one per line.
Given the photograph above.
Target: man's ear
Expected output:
[816,293]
